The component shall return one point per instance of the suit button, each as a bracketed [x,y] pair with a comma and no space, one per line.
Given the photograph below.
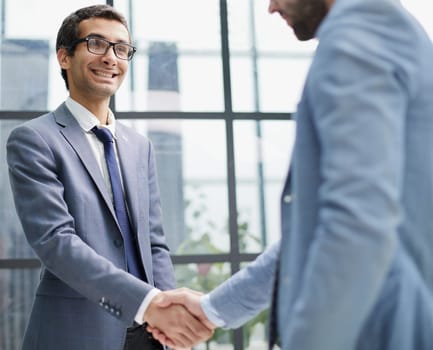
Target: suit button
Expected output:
[118,243]
[287,198]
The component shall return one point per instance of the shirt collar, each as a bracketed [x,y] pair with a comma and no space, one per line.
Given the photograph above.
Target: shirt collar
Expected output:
[87,120]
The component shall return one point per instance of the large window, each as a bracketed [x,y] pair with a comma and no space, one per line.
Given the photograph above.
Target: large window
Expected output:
[213,85]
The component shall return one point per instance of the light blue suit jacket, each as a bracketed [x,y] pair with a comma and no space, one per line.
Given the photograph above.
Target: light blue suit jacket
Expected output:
[85,299]
[356,268]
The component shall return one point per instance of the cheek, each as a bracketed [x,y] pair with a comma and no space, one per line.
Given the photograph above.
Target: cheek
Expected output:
[124,65]
[123,68]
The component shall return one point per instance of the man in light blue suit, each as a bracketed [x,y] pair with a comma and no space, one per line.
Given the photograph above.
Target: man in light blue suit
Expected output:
[356,262]
[102,263]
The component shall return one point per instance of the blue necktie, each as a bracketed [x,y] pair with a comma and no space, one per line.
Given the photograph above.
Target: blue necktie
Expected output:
[131,250]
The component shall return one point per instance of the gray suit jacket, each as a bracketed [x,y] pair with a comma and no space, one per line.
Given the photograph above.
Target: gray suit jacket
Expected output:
[356,268]
[85,299]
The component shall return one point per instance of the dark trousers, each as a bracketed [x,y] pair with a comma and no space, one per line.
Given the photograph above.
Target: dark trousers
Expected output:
[137,338]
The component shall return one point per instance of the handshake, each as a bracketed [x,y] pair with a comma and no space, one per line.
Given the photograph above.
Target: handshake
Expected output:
[176,319]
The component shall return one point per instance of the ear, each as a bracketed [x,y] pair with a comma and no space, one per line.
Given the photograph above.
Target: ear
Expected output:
[63,58]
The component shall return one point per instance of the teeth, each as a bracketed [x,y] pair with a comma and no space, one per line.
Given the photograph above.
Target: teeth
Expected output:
[102,74]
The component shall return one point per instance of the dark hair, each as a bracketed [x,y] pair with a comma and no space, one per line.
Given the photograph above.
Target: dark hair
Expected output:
[68,31]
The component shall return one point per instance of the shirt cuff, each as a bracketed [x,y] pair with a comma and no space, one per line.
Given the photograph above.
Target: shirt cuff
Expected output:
[210,311]
[143,307]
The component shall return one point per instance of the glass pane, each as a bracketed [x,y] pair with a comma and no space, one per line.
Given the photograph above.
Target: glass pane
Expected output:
[12,241]
[29,73]
[16,297]
[204,277]
[262,153]
[192,172]
[280,83]
[268,64]
[174,67]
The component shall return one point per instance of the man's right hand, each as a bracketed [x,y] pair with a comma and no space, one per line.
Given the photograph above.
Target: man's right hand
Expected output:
[189,300]
[174,324]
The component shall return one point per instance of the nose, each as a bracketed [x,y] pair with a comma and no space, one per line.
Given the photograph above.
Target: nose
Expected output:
[272,7]
[110,57]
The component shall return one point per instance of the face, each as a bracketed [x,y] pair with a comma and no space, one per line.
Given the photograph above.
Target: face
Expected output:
[304,16]
[93,77]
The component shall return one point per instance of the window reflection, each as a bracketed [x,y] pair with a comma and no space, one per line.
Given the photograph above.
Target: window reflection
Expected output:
[29,73]
[268,64]
[24,89]
[12,241]
[170,50]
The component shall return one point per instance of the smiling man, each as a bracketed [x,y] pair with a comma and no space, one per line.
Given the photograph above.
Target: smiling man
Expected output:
[86,192]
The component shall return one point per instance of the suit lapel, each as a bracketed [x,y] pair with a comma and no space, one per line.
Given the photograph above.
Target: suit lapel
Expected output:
[75,136]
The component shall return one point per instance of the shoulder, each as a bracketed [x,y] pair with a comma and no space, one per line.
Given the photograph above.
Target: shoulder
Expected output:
[40,125]
[46,121]
[381,21]
[133,138]
[41,130]
[129,130]
[369,37]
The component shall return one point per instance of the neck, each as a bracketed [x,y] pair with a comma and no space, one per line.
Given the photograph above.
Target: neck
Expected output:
[98,107]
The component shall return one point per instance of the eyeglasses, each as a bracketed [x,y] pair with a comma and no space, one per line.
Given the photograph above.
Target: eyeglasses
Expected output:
[99,46]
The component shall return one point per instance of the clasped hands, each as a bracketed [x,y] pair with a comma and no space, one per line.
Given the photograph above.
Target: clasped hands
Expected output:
[176,319]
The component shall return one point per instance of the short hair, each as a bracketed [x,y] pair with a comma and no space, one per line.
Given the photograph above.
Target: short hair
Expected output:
[69,30]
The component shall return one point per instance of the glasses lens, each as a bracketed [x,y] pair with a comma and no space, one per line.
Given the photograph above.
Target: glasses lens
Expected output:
[123,51]
[97,46]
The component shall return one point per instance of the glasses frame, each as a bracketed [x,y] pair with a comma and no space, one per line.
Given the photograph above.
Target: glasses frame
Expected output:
[110,44]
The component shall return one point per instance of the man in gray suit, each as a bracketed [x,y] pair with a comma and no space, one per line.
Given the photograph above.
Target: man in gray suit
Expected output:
[97,232]
[356,255]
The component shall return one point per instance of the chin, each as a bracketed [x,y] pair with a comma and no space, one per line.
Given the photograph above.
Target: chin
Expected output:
[304,33]
[304,37]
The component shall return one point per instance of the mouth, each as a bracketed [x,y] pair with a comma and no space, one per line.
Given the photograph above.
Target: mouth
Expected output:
[104,74]
[286,18]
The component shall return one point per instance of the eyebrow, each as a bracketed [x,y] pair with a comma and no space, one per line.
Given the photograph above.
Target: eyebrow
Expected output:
[96,35]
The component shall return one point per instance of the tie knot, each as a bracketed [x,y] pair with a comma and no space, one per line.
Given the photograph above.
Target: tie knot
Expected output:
[103,134]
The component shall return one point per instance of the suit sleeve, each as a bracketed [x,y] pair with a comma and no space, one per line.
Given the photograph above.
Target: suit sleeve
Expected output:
[247,292]
[163,271]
